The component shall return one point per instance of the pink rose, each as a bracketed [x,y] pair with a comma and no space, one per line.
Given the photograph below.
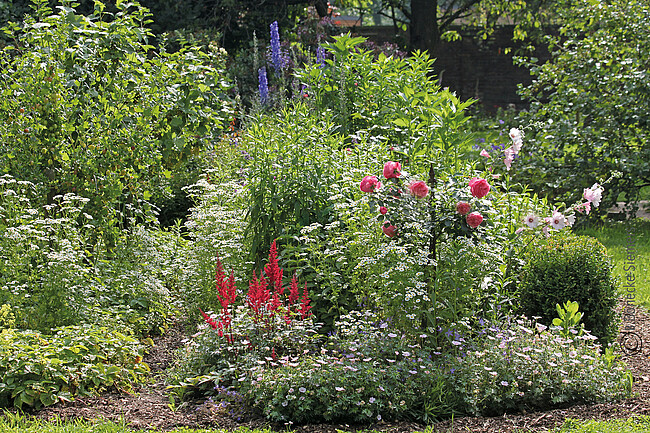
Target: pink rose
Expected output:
[462,207]
[392,169]
[370,184]
[389,229]
[383,210]
[474,219]
[479,187]
[419,189]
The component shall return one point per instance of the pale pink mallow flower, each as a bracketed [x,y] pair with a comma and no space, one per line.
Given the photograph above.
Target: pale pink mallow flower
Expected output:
[570,220]
[594,194]
[484,154]
[531,220]
[557,221]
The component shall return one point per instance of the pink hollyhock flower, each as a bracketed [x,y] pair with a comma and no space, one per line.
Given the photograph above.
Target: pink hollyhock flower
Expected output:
[389,229]
[485,154]
[594,194]
[474,219]
[510,156]
[519,230]
[419,189]
[531,221]
[383,210]
[462,207]
[370,184]
[517,141]
[479,187]
[586,207]
[392,169]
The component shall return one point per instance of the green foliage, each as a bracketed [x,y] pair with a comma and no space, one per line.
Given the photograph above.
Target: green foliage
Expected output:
[589,103]
[38,370]
[569,267]
[568,318]
[294,158]
[392,100]
[89,107]
[7,317]
[519,365]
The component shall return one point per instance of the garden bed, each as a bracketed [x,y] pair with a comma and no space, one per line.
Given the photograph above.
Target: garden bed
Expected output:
[150,408]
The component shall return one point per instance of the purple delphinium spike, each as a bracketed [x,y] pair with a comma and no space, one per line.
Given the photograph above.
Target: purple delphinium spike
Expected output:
[263,85]
[320,57]
[276,56]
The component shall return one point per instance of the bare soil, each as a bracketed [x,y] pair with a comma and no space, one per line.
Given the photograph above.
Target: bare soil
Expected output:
[149,408]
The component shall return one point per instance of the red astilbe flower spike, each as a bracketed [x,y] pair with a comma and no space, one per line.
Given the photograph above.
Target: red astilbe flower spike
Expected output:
[304,304]
[293,291]
[275,303]
[209,320]
[226,290]
[258,294]
[273,271]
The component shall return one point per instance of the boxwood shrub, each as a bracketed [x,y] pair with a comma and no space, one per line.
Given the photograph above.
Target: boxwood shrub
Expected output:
[566,267]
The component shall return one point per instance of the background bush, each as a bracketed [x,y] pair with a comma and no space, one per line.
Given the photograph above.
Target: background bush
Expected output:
[590,105]
[88,106]
[570,268]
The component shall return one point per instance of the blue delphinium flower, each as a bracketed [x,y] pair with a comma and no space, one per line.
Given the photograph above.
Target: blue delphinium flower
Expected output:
[263,85]
[276,56]
[320,57]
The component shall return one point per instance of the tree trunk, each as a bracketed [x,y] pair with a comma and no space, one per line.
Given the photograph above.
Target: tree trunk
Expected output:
[425,33]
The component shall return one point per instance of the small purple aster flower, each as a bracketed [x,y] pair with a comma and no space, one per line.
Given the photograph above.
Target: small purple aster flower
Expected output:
[263,85]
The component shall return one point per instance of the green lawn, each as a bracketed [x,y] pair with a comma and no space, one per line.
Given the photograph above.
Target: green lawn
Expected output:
[17,424]
[629,245]
[631,425]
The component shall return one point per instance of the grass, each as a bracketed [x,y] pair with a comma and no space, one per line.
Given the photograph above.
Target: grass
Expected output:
[12,423]
[630,425]
[628,243]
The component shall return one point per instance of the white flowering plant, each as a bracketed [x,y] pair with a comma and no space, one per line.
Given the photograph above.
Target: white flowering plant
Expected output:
[521,364]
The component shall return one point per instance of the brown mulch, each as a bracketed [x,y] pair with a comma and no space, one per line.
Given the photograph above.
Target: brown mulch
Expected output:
[150,407]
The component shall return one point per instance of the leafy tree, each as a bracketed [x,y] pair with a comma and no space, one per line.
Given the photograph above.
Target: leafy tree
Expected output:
[590,104]
[431,21]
